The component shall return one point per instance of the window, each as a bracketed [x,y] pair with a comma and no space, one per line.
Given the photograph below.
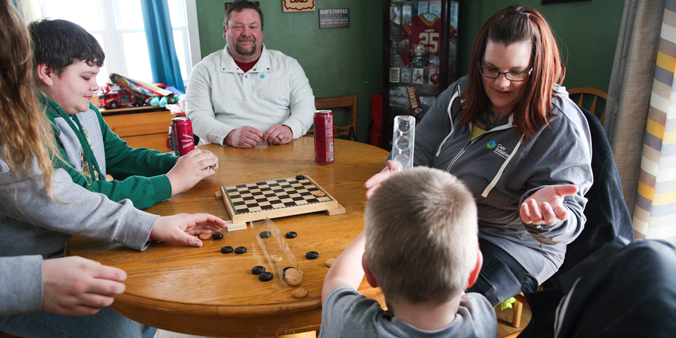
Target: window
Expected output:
[118,27]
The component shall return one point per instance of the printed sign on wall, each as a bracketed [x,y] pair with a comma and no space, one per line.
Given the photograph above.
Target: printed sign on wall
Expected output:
[298,5]
[334,18]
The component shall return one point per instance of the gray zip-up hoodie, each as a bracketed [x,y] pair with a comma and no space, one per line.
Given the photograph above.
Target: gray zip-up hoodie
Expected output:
[502,169]
[34,226]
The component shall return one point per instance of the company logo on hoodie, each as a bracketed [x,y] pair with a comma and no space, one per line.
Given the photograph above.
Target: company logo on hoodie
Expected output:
[498,149]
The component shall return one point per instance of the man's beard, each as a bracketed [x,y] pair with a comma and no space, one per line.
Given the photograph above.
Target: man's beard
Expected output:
[241,51]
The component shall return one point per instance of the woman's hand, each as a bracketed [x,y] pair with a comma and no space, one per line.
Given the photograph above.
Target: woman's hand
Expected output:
[546,205]
[374,182]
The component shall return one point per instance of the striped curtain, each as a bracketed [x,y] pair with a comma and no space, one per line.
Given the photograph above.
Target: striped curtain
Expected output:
[655,208]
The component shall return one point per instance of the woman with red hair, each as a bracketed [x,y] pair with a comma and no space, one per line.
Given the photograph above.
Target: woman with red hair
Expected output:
[509,131]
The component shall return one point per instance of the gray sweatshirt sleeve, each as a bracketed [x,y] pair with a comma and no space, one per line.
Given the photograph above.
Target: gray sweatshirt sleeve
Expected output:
[436,126]
[76,211]
[562,156]
[21,280]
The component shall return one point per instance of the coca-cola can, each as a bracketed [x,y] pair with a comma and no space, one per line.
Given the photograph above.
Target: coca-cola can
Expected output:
[323,121]
[181,129]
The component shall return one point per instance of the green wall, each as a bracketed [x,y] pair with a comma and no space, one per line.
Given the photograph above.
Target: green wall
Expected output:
[342,61]
[586,32]
[337,61]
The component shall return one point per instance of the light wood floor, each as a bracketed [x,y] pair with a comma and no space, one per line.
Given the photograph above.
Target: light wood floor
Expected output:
[505,327]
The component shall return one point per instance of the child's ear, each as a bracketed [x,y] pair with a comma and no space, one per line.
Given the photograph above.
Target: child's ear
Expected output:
[474,275]
[45,74]
[367,272]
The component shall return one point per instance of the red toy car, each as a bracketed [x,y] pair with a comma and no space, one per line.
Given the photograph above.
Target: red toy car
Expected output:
[112,96]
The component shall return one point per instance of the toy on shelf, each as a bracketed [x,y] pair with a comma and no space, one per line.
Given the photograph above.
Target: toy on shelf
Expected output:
[112,96]
[153,95]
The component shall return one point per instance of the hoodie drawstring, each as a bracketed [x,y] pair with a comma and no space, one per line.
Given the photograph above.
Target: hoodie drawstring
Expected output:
[450,117]
[502,169]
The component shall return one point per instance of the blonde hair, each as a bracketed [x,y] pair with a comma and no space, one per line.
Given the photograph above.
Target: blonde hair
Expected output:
[27,132]
[421,236]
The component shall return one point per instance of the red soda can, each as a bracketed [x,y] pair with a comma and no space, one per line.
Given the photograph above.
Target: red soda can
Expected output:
[323,121]
[181,128]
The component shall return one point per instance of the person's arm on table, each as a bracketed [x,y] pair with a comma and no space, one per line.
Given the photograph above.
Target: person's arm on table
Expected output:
[243,137]
[347,269]
[83,213]
[68,286]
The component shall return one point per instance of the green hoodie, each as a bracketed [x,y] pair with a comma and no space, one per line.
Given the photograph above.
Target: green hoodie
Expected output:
[142,172]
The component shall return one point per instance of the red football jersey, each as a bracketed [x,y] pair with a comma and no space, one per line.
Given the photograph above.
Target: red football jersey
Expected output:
[423,31]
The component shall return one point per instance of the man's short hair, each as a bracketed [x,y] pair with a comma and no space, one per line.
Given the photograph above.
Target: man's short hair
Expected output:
[60,43]
[240,5]
[421,236]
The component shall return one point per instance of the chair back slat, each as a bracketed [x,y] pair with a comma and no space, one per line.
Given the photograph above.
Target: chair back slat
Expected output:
[339,102]
[596,93]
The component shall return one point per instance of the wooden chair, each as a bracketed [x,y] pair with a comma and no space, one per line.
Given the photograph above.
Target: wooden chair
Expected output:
[593,92]
[339,102]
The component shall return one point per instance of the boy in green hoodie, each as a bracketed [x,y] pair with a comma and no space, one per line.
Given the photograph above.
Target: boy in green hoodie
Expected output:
[67,60]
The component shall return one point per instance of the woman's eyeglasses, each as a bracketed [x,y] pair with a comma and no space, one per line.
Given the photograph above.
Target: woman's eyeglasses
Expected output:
[514,76]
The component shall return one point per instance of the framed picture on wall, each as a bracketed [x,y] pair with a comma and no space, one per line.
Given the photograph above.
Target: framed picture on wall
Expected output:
[405,75]
[419,75]
[394,74]
[228,4]
[549,2]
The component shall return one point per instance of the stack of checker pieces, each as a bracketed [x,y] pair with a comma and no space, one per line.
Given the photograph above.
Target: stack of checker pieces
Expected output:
[277,198]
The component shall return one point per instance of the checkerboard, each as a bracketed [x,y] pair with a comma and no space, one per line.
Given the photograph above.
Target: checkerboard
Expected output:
[276,198]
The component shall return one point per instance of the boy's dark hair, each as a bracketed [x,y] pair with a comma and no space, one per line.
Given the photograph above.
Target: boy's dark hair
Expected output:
[60,43]
[240,5]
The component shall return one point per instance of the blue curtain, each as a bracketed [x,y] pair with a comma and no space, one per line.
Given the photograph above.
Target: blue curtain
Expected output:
[160,38]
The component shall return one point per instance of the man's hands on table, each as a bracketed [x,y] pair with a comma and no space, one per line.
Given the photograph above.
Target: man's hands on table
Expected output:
[243,137]
[248,137]
[278,134]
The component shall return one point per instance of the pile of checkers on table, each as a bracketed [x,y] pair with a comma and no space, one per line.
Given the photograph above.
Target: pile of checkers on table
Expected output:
[293,276]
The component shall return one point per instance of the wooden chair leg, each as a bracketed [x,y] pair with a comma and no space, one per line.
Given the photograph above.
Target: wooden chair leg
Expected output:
[310,334]
[516,313]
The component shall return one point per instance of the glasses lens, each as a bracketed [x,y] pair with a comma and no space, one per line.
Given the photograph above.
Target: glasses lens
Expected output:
[489,72]
[516,76]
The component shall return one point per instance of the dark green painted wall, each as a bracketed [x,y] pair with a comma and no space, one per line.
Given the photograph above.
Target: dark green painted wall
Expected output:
[337,61]
[586,32]
[345,60]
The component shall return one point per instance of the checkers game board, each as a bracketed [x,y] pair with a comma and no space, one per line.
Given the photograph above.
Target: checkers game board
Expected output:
[277,198]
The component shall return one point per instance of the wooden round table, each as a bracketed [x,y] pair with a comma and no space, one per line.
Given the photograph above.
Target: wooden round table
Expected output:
[201,291]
